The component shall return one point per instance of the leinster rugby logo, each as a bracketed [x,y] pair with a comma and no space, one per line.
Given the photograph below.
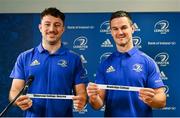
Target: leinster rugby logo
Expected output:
[137,41]
[80,43]
[62,63]
[166,89]
[137,67]
[162,59]
[161,26]
[105,27]
[105,56]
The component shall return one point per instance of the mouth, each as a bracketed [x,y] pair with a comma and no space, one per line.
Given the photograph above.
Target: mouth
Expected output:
[121,38]
[51,35]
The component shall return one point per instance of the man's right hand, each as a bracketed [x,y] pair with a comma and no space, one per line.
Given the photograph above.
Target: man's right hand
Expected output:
[24,102]
[93,91]
[96,95]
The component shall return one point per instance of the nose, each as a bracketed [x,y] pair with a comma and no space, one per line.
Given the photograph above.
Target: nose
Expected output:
[52,28]
[120,31]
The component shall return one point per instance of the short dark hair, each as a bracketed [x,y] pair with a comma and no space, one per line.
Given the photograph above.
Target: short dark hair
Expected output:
[121,13]
[53,12]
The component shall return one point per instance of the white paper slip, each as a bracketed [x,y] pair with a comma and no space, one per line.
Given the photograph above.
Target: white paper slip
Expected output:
[116,87]
[50,96]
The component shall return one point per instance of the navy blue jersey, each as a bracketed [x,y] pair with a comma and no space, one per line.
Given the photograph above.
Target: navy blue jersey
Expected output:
[133,68]
[56,73]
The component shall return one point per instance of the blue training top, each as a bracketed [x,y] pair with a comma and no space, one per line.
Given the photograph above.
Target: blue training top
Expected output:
[56,73]
[133,68]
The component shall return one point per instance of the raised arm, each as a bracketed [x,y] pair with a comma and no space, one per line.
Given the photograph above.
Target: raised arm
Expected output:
[24,102]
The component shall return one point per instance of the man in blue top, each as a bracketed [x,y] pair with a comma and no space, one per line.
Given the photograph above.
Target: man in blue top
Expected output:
[56,69]
[127,67]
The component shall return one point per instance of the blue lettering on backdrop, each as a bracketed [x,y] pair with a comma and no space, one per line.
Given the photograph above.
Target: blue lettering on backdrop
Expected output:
[88,34]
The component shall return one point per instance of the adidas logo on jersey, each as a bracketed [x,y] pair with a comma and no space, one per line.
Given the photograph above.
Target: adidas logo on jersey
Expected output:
[35,63]
[110,69]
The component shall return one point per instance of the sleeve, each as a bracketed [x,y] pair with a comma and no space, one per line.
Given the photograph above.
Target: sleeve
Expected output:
[100,79]
[154,78]
[80,73]
[18,69]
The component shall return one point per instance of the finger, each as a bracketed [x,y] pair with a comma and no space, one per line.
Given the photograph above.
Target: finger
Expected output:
[24,102]
[22,97]
[147,90]
[76,97]
[26,106]
[92,85]
[147,94]
[78,107]
[76,101]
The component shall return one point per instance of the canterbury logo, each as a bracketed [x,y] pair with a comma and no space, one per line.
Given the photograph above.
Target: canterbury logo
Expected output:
[110,69]
[35,63]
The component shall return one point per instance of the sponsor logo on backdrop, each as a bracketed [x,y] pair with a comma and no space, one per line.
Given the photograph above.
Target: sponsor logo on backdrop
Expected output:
[163,76]
[94,75]
[137,41]
[137,29]
[172,108]
[84,75]
[166,89]
[76,27]
[162,59]
[107,43]
[105,56]
[103,108]
[83,59]
[65,43]
[80,43]
[161,27]
[105,27]
[166,43]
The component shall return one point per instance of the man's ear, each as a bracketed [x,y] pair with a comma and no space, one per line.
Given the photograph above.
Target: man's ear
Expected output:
[133,28]
[40,27]
[63,29]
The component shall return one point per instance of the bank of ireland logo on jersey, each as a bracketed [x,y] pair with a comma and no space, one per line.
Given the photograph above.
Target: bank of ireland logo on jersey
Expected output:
[104,56]
[105,27]
[137,41]
[137,67]
[80,43]
[162,27]
[162,59]
[62,63]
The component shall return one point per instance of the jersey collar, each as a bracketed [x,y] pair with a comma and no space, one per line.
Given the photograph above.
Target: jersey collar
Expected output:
[129,53]
[60,51]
